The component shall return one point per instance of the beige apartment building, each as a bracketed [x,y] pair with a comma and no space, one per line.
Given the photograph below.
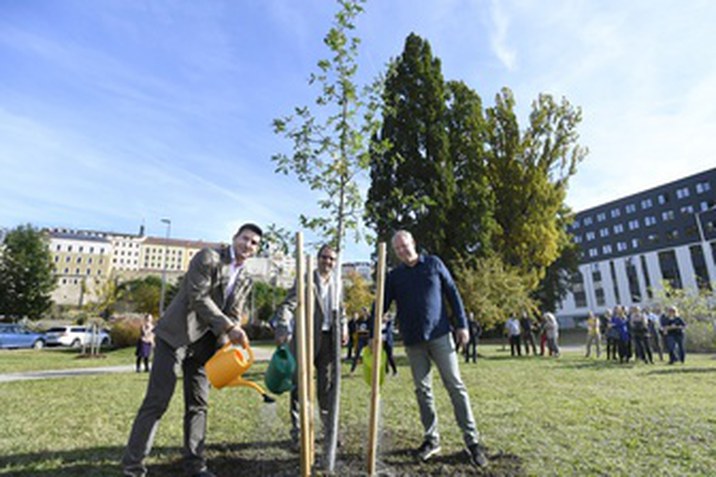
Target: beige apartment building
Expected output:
[85,259]
[82,263]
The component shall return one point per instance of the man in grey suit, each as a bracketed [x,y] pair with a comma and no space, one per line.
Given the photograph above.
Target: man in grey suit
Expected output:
[323,329]
[203,315]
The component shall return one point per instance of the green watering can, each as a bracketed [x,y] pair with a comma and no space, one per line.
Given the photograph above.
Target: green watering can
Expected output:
[368,365]
[279,375]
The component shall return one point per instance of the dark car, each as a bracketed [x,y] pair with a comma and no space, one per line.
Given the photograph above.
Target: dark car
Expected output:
[18,336]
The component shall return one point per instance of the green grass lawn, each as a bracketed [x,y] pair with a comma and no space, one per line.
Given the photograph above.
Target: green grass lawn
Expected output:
[19,360]
[538,416]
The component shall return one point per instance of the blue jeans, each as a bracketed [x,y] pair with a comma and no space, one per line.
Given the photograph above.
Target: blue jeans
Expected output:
[440,351]
[672,343]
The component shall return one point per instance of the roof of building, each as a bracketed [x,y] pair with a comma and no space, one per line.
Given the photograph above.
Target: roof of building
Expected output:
[181,243]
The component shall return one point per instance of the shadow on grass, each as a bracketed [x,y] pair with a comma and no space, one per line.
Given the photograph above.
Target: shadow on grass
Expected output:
[403,462]
[256,459]
[271,458]
[672,370]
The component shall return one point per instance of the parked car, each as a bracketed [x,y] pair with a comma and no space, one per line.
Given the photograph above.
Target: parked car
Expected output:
[18,336]
[75,336]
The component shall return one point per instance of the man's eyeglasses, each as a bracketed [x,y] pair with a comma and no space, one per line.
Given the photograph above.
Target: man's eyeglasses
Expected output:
[328,257]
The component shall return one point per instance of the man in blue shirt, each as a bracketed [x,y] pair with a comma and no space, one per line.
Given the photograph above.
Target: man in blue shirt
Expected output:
[417,286]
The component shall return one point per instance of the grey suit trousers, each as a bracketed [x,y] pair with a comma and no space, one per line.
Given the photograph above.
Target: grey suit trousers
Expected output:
[324,384]
[162,381]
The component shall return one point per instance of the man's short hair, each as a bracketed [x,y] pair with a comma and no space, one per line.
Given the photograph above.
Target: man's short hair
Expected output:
[402,232]
[325,247]
[252,227]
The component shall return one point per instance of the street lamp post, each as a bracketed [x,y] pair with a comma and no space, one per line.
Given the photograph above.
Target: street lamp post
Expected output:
[168,223]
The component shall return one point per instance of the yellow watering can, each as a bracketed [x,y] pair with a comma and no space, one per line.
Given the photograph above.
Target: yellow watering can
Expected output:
[227,367]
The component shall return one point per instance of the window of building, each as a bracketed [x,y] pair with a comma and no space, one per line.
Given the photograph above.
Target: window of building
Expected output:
[69,248]
[615,213]
[687,209]
[635,242]
[601,217]
[593,252]
[645,274]
[589,236]
[577,239]
[652,238]
[672,234]
[580,296]
[606,248]
[91,250]
[99,272]
[613,273]
[79,259]
[89,271]
[101,251]
[702,187]
[59,247]
[649,220]
[662,198]
[633,281]
[604,232]
[646,204]
[81,249]
[599,294]
[699,263]
[621,246]
[67,270]
[633,224]
[64,281]
[670,268]
[682,193]
[57,258]
[667,215]
[77,271]
[704,205]
[618,228]
[630,208]
[89,260]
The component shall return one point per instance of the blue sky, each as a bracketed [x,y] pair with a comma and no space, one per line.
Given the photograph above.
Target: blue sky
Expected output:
[117,113]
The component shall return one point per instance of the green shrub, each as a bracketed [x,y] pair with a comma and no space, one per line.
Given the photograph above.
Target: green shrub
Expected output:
[125,332]
[701,337]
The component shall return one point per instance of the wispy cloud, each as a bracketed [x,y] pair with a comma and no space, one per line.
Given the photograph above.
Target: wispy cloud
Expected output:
[499,36]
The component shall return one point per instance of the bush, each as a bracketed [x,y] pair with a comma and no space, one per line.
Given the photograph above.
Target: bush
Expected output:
[700,337]
[125,331]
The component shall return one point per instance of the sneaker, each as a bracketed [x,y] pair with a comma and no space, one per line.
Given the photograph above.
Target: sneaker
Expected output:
[427,449]
[477,456]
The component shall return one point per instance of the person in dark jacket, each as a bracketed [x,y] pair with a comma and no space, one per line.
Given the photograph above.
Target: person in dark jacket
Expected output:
[418,286]
[475,330]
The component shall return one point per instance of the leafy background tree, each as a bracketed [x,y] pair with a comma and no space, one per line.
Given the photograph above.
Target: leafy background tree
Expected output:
[473,186]
[357,293]
[412,182]
[26,274]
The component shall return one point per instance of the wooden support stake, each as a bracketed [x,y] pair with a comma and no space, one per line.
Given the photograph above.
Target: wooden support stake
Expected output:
[377,362]
[310,352]
[302,356]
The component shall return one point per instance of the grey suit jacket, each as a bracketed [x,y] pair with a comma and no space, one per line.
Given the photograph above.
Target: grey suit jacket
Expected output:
[283,320]
[199,306]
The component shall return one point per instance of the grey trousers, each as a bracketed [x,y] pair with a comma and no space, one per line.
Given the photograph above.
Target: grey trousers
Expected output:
[324,384]
[162,381]
[440,351]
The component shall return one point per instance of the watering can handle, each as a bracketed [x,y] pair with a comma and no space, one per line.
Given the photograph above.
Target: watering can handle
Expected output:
[247,348]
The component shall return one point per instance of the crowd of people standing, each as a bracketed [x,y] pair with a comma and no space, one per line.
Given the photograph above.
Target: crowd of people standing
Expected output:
[638,333]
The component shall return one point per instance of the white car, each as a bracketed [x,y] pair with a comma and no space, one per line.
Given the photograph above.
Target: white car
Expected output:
[75,336]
